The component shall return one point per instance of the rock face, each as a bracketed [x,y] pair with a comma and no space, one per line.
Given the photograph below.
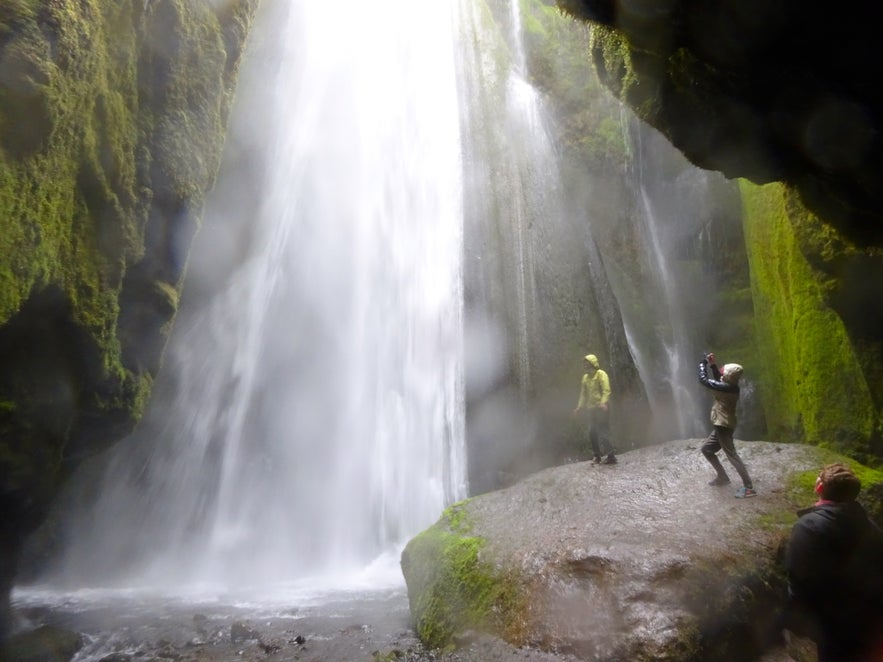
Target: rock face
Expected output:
[769,91]
[112,119]
[641,560]
[778,93]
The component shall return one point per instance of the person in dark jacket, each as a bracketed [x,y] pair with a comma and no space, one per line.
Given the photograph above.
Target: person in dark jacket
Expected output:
[834,560]
[724,387]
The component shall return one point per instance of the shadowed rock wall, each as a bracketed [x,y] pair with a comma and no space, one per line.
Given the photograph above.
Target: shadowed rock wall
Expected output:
[778,92]
[112,120]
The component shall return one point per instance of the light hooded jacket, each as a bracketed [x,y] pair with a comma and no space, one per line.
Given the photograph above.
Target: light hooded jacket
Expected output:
[595,389]
[725,391]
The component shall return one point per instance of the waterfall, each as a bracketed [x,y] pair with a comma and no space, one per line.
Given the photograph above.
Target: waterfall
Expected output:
[514,224]
[310,416]
[669,335]
[676,342]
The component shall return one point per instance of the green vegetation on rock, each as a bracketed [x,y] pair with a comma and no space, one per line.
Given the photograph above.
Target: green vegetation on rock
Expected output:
[813,386]
[557,52]
[454,587]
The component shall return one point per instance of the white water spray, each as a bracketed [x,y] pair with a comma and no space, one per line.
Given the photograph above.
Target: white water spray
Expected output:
[677,343]
[667,357]
[318,398]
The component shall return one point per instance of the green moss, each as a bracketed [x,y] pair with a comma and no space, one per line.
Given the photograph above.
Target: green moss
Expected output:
[613,60]
[812,384]
[457,519]
[65,220]
[804,482]
[556,49]
[776,521]
[454,586]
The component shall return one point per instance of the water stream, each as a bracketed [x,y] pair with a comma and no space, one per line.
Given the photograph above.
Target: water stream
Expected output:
[309,419]
[669,333]
[315,421]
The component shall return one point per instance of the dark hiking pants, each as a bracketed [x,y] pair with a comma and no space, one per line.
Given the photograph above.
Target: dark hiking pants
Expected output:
[722,438]
[599,431]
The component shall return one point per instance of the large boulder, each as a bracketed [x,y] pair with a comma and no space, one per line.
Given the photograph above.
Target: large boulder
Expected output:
[637,561]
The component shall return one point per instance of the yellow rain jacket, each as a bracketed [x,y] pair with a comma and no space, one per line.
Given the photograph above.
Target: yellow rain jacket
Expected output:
[595,389]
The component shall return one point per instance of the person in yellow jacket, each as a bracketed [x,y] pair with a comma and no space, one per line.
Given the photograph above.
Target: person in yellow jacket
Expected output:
[594,396]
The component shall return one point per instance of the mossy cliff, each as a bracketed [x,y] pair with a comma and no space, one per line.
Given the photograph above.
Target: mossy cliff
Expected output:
[112,119]
[818,372]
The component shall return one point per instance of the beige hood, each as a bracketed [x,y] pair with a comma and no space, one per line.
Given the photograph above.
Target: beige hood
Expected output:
[731,373]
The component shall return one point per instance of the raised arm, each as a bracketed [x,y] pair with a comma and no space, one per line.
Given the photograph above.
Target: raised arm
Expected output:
[714,381]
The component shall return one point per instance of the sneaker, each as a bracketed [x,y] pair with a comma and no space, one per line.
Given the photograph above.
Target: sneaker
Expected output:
[610,459]
[745,492]
[596,459]
[720,480]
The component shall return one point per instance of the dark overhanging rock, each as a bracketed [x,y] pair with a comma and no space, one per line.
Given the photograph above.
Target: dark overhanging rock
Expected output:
[769,91]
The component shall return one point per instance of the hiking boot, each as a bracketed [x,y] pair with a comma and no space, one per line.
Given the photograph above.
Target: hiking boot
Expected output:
[610,459]
[745,492]
[596,459]
[720,480]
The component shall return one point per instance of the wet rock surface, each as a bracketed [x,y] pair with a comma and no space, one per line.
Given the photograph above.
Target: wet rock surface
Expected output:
[642,559]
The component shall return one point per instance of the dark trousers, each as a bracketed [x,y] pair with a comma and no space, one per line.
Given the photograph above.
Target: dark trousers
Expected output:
[722,438]
[599,431]
[841,635]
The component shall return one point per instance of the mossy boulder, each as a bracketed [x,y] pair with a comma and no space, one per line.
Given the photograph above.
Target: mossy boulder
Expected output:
[44,644]
[455,587]
[637,561]
[112,121]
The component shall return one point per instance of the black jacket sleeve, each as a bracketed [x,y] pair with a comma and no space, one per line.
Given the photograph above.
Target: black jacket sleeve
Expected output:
[714,381]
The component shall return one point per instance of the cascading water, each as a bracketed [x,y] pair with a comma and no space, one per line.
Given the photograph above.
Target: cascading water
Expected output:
[676,344]
[515,222]
[672,217]
[514,169]
[316,416]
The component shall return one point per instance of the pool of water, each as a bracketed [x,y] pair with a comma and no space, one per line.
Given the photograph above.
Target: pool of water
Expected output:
[285,622]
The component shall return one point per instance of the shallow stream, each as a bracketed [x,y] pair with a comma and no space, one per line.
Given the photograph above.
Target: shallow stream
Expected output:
[287,623]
